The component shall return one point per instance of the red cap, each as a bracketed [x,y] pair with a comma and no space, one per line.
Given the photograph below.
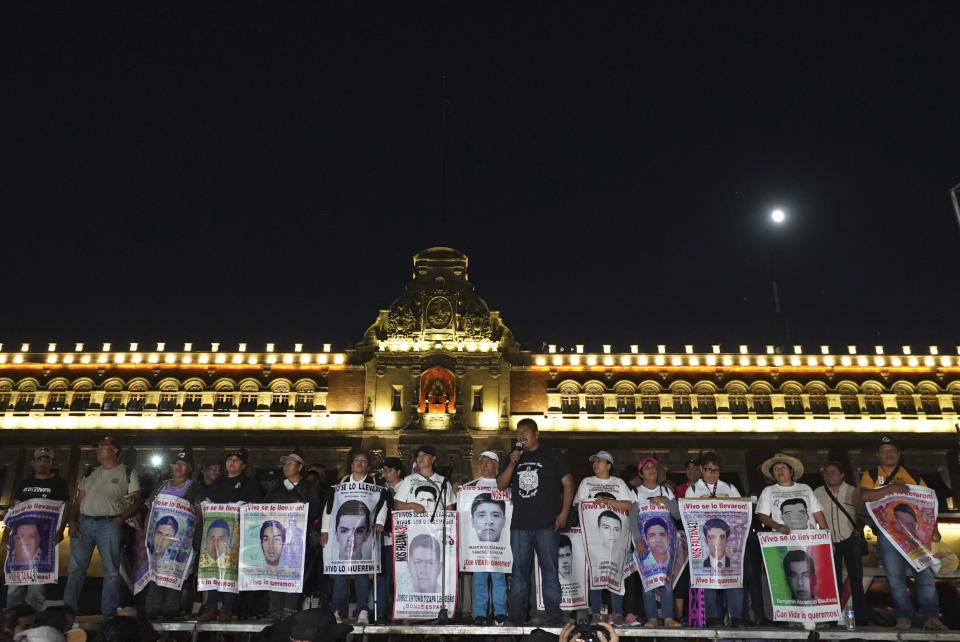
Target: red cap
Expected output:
[108,441]
[647,460]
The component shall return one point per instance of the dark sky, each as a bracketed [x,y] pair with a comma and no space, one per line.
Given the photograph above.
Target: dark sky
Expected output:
[184,171]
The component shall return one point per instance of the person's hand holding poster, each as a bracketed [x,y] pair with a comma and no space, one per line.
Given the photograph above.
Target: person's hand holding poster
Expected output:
[909,521]
[219,548]
[484,518]
[32,555]
[350,550]
[169,542]
[716,539]
[273,541]
[418,565]
[572,570]
[607,539]
[801,575]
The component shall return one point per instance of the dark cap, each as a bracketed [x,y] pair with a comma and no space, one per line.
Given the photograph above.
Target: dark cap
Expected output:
[426,448]
[108,441]
[240,454]
[887,440]
[42,451]
[692,460]
[184,455]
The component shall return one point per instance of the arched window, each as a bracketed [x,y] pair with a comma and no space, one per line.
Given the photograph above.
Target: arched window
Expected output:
[112,397]
[248,397]
[193,398]
[650,400]
[4,396]
[593,399]
[930,404]
[906,405]
[56,398]
[626,402]
[137,399]
[706,401]
[25,397]
[223,401]
[280,398]
[569,399]
[168,398]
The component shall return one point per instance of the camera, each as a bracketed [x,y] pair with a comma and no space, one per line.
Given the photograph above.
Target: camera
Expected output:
[586,632]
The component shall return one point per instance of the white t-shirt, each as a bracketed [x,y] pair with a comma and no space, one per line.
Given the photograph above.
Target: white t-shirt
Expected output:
[410,487]
[590,486]
[644,494]
[484,482]
[772,499]
[720,489]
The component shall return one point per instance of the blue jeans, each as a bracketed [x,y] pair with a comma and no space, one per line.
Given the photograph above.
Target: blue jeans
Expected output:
[341,592]
[594,596]
[523,543]
[481,596]
[711,599]
[385,584]
[666,602]
[896,569]
[105,535]
[29,594]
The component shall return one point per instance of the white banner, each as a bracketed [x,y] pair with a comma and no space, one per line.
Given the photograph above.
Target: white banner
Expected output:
[908,521]
[716,532]
[572,570]
[32,555]
[801,576]
[484,518]
[418,565]
[169,542]
[607,540]
[350,541]
[273,542]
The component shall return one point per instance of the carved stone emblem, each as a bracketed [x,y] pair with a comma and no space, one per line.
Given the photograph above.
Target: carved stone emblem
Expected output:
[439,313]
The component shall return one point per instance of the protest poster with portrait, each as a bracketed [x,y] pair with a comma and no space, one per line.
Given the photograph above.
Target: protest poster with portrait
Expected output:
[801,576]
[607,541]
[273,542]
[659,534]
[350,548]
[418,565]
[572,567]
[32,556]
[484,518]
[908,521]
[169,543]
[717,532]
[219,548]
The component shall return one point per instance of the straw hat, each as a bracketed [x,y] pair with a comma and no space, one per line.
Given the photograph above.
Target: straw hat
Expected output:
[795,465]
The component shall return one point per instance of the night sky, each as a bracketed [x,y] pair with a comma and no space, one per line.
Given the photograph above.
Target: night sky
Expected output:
[184,171]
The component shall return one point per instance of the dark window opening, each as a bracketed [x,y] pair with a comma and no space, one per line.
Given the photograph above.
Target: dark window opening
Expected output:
[793,404]
[168,402]
[594,404]
[570,404]
[191,402]
[248,402]
[650,404]
[931,404]
[477,400]
[738,404]
[56,401]
[136,402]
[906,405]
[681,405]
[874,404]
[279,402]
[304,402]
[626,405]
[707,404]
[818,405]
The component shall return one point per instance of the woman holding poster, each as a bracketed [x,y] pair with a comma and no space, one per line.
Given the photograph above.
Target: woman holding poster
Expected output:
[605,490]
[715,532]
[655,541]
[168,540]
[358,514]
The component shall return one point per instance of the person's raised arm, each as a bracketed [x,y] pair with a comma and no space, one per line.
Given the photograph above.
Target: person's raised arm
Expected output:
[503,479]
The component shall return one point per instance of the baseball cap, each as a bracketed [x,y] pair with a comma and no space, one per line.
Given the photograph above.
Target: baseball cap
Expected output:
[294,456]
[42,451]
[108,441]
[489,453]
[185,455]
[240,454]
[426,448]
[604,455]
[887,440]
[647,460]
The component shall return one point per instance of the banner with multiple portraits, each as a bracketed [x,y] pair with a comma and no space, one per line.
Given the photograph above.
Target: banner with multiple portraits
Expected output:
[484,517]
[32,555]
[717,531]
[572,569]
[169,543]
[273,542]
[908,521]
[607,541]
[666,551]
[350,548]
[419,570]
[801,576]
[219,548]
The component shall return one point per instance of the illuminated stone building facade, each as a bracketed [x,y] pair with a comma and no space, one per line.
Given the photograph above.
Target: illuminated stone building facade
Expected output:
[439,366]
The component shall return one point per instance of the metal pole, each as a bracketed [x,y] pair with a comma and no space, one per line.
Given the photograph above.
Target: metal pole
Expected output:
[956,203]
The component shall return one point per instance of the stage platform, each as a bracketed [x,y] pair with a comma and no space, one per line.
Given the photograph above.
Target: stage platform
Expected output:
[419,631]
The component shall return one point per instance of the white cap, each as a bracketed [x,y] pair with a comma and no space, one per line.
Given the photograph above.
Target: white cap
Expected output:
[489,453]
[604,455]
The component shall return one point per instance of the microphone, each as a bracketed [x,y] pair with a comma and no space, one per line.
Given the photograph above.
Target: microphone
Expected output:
[519,445]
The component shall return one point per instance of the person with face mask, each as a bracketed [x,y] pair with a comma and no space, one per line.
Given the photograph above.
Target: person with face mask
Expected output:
[42,484]
[354,533]
[294,490]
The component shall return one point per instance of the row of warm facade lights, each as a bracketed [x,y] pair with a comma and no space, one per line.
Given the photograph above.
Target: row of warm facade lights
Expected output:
[770,358]
[134,356]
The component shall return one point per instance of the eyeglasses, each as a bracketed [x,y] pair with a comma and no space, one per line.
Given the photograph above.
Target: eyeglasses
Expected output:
[712,469]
